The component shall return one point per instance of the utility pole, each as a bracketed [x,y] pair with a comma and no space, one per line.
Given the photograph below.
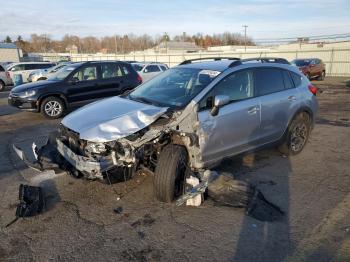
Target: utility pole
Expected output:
[245,38]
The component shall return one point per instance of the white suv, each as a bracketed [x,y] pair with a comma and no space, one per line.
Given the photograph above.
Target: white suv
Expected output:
[149,70]
[26,68]
[5,78]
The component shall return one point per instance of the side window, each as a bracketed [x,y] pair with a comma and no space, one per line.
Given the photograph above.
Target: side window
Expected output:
[17,68]
[268,80]
[30,67]
[44,66]
[1,69]
[163,67]
[237,86]
[296,79]
[152,68]
[111,70]
[125,70]
[86,74]
[288,83]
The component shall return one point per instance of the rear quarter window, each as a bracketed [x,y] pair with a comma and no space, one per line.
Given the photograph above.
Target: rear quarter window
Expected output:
[268,80]
[288,82]
[296,79]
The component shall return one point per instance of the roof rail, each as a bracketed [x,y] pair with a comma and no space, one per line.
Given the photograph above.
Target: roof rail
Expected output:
[189,61]
[277,60]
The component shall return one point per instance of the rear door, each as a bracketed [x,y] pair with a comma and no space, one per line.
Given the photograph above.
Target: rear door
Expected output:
[112,80]
[84,84]
[278,97]
[236,127]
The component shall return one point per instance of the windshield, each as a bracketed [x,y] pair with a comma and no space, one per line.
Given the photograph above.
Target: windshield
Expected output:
[62,73]
[301,62]
[174,88]
[137,67]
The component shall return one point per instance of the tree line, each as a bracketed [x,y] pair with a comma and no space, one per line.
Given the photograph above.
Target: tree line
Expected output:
[119,44]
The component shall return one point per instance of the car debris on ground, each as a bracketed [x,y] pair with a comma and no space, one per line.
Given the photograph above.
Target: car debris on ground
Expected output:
[31,202]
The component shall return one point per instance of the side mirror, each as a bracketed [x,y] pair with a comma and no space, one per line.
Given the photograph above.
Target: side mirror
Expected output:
[219,101]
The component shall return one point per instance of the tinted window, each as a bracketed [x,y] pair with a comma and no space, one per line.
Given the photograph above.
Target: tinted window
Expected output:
[40,66]
[137,67]
[86,74]
[151,69]
[300,62]
[163,67]
[296,79]
[125,70]
[288,83]
[237,86]
[1,69]
[268,80]
[17,68]
[30,67]
[111,70]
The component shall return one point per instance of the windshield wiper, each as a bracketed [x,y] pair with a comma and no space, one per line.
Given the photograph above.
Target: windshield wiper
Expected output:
[141,99]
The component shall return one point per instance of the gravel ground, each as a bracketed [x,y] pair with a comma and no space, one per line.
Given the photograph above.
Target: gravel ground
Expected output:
[312,188]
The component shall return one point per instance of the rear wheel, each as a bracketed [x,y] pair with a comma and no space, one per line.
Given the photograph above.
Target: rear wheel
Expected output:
[2,86]
[52,107]
[170,173]
[297,135]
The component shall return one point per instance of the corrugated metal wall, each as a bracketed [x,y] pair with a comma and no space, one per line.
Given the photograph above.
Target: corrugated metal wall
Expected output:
[337,60]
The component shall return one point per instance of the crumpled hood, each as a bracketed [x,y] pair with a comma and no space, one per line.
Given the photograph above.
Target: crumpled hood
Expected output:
[111,118]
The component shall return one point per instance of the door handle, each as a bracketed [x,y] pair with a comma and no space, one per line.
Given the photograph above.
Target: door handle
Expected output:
[253,110]
[292,98]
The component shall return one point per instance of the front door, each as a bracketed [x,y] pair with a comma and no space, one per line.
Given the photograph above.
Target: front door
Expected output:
[84,84]
[236,126]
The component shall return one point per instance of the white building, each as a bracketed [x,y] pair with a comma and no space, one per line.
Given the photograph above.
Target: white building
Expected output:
[9,52]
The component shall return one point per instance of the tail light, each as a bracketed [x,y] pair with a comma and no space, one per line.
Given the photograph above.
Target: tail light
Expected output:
[139,78]
[313,89]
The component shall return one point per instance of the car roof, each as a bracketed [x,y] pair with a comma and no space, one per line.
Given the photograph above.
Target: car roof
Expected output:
[220,66]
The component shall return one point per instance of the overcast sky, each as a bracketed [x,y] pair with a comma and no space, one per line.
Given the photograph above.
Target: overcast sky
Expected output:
[265,19]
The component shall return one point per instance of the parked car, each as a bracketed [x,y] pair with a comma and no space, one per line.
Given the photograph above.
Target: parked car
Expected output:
[149,70]
[188,119]
[44,74]
[74,83]
[5,78]
[25,68]
[311,67]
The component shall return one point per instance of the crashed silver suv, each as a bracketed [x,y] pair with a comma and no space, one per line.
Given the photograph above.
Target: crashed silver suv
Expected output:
[187,120]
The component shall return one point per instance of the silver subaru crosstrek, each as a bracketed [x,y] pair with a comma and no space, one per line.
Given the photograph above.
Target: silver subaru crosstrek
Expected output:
[187,120]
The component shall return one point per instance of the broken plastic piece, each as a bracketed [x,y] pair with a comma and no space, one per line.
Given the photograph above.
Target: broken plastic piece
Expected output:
[31,201]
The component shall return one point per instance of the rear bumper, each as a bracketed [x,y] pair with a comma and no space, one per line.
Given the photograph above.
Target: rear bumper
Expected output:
[24,104]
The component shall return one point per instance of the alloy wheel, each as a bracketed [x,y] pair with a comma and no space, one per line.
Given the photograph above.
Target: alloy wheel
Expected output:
[298,137]
[53,108]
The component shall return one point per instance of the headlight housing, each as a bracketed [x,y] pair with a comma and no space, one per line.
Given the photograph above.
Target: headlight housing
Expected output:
[95,148]
[26,94]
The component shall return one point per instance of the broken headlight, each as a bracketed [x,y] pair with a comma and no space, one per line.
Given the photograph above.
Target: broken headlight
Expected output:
[95,148]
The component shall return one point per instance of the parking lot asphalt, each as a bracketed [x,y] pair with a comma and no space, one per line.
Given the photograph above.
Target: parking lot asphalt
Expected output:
[79,224]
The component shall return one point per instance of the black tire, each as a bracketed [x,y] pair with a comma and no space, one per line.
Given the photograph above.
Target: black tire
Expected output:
[2,86]
[170,172]
[322,76]
[57,107]
[296,135]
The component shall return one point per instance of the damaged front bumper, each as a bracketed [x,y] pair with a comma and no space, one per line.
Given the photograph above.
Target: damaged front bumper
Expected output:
[59,157]
[82,163]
